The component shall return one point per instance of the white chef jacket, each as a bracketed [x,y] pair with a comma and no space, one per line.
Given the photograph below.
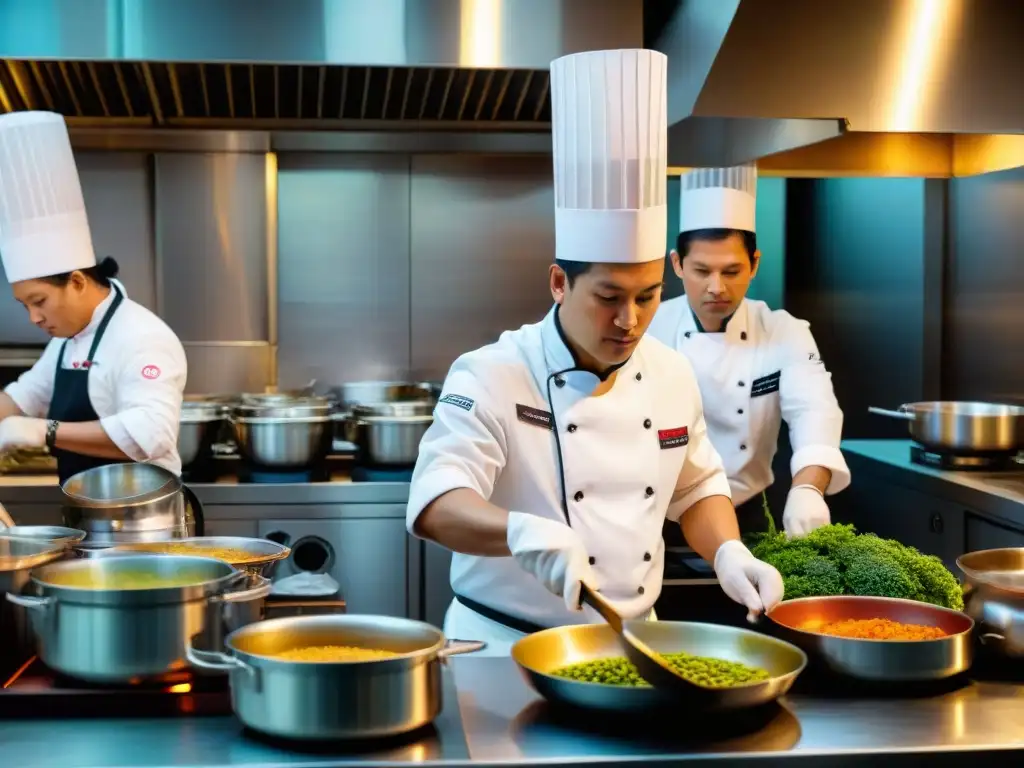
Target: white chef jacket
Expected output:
[136,381]
[632,457]
[764,367]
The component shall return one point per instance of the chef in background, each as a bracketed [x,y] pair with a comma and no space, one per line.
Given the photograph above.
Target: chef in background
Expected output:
[108,387]
[557,453]
[755,366]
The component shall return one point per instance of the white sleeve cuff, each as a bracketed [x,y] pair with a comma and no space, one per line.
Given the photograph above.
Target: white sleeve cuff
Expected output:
[430,486]
[119,434]
[823,456]
[716,485]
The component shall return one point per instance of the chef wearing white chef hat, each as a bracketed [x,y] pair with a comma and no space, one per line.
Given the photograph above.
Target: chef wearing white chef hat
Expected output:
[108,388]
[557,453]
[755,366]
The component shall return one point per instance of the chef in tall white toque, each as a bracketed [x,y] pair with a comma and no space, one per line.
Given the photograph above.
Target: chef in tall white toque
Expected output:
[755,366]
[108,387]
[557,453]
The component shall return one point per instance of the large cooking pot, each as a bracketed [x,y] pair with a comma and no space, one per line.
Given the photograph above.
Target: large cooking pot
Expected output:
[120,634]
[18,556]
[199,428]
[315,700]
[994,597]
[283,443]
[131,502]
[964,428]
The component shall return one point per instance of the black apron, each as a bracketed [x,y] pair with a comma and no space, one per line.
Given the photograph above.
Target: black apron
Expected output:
[71,404]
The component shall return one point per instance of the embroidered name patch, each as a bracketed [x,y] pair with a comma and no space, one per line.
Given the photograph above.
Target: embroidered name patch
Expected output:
[459,401]
[673,438]
[534,416]
[766,384]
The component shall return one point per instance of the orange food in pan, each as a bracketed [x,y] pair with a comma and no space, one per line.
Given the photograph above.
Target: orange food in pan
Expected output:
[877,629]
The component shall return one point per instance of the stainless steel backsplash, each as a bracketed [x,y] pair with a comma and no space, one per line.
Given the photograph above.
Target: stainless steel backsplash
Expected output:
[277,269]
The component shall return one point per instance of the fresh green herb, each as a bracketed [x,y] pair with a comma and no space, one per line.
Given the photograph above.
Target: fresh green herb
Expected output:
[836,560]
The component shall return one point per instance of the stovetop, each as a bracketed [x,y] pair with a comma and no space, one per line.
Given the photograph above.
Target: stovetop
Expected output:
[993,462]
[35,691]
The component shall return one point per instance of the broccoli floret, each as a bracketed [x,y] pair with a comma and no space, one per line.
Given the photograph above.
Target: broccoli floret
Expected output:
[880,576]
[828,539]
[790,561]
[827,578]
[938,585]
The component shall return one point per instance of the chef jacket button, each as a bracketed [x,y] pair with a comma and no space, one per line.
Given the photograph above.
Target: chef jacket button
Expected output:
[647,557]
[743,446]
[649,491]
[640,590]
[741,384]
[572,427]
[639,376]
[592,560]
[739,411]
[743,336]
[687,334]
[559,381]
[578,496]
[647,423]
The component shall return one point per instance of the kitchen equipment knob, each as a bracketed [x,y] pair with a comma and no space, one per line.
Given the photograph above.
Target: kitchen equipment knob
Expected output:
[936,523]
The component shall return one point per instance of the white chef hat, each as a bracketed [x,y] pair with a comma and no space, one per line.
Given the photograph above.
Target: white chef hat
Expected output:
[718,198]
[609,131]
[44,230]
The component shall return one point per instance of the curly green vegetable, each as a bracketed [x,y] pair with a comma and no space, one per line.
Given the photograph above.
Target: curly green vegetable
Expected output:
[702,670]
[836,560]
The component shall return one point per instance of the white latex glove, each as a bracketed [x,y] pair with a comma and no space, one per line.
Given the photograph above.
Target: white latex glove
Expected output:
[22,432]
[746,579]
[553,552]
[805,510]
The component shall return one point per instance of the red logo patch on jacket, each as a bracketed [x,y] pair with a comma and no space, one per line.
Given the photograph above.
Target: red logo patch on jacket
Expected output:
[673,438]
[151,372]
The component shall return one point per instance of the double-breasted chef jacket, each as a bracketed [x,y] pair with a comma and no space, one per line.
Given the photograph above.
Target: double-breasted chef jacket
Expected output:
[136,379]
[762,368]
[510,413]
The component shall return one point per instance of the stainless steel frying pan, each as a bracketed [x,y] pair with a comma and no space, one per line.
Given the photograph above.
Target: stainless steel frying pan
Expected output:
[962,427]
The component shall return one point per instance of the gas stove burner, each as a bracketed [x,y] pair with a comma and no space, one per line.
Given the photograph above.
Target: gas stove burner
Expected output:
[381,475]
[279,478]
[991,462]
[35,691]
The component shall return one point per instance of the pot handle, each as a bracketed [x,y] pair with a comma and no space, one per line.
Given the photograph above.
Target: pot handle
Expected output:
[256,589]
[903,415]
[197,509]
[456,647]
[30,602]
[219,662]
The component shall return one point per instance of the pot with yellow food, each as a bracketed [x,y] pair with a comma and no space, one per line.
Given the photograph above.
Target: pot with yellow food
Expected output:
[337,676]
[130,618]
[257,556]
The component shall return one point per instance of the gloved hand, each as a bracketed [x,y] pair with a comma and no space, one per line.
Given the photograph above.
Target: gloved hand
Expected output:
[551,551]
[22,432]
[805,510]
[746,579]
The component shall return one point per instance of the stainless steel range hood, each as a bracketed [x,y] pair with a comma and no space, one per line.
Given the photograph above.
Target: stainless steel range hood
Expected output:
[847,87]
[408,65]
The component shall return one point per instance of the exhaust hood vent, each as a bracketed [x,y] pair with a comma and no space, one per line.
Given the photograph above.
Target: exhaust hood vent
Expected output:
[407,65]
[847,87]
[250,95]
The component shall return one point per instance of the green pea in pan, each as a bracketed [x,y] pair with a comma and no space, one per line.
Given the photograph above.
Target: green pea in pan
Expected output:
[584,666]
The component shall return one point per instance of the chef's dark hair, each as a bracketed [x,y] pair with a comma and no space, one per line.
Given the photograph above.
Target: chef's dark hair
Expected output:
[102,273]
[686,239]
[573,269]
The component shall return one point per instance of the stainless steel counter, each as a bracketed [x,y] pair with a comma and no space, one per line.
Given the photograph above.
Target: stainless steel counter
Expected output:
[498,720]
[998,494]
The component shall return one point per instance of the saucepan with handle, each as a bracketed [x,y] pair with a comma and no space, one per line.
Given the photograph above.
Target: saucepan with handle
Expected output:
[962,427]
[542,654]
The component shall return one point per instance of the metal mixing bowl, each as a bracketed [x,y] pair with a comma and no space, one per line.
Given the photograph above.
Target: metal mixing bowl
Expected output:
[878,660]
